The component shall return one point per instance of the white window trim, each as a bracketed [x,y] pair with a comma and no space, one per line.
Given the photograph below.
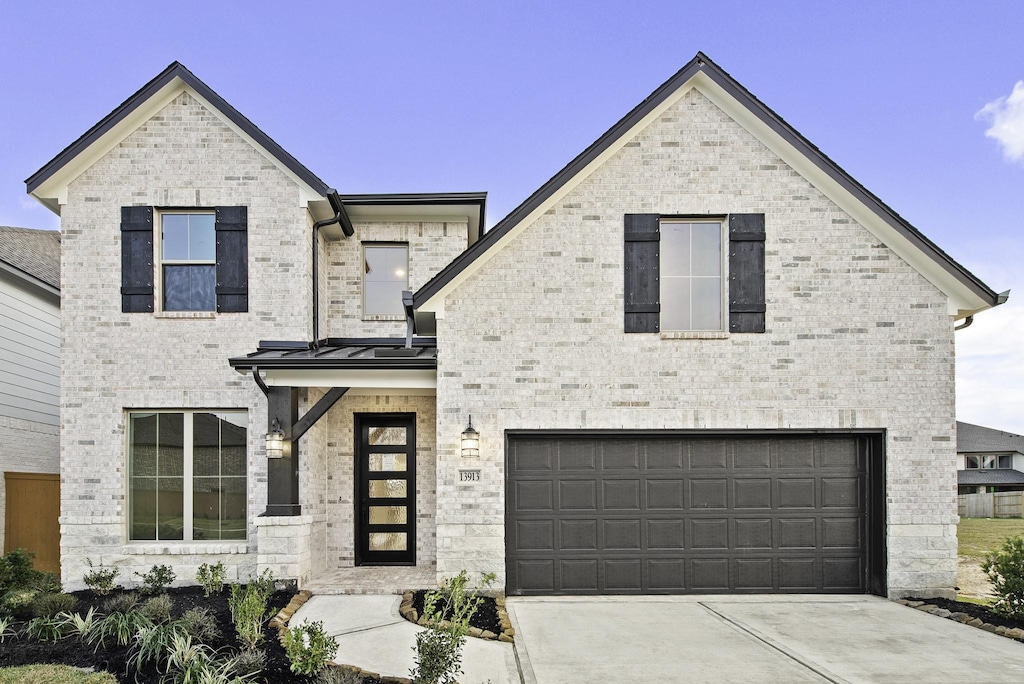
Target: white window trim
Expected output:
[723,323]
[187,487]
[159,262]
[366,315]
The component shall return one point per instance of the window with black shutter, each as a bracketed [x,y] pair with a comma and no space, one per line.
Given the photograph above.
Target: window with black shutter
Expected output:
[232,259]
[673,274]
[136,259]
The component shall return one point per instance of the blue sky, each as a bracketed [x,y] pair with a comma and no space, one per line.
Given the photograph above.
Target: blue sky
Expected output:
[497,96]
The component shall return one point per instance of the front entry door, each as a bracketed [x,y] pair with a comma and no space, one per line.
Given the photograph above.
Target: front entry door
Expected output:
[385,488]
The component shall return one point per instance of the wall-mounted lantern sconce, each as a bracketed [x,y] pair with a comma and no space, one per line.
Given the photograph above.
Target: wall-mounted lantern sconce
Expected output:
[470,441]
[275,440]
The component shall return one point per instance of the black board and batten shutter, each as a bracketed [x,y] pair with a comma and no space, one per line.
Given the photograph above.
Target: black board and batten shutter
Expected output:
[136,259]
[642,288]
[746,273]
[232,259]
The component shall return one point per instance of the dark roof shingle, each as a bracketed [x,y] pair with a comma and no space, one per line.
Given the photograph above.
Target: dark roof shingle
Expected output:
[35,252]
[989,476]
[972,438]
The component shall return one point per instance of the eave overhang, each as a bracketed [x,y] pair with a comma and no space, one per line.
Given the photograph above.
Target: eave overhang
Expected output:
[439,206]
[49,184]
[966,292]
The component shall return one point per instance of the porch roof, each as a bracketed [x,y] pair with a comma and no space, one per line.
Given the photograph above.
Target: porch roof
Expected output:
[989,476]
[341,353]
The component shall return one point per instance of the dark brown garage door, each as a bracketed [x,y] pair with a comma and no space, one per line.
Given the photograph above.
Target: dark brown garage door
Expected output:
[688,514]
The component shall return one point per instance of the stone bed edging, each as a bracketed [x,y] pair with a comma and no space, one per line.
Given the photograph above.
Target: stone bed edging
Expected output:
[507,631]
[1014,633]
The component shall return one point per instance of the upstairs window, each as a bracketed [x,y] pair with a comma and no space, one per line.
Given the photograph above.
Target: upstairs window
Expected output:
[385,276]
[989,461]
[188,261]
[691,275]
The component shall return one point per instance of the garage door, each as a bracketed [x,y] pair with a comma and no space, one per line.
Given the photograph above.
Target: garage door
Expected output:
[686,514]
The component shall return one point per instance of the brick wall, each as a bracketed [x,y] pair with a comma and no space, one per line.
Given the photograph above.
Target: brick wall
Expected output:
[855,338]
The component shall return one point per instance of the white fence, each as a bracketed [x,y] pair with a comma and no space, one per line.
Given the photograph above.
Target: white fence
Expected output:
[991,505]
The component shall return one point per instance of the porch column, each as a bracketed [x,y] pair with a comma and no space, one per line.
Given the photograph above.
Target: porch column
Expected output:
[283,473]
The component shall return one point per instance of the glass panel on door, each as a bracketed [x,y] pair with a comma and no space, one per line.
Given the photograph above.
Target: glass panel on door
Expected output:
[386,472]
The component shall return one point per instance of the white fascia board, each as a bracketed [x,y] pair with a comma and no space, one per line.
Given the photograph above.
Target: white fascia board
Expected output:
[405,379]
[56,186]
[962,301]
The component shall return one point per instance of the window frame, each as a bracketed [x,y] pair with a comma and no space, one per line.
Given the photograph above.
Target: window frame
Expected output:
[376,316]
[723,272]
[159,305]
[188,475]
[995,459]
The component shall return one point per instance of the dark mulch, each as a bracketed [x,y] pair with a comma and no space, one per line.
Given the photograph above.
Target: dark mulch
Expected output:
[22,650]
[485,617]
[985,614]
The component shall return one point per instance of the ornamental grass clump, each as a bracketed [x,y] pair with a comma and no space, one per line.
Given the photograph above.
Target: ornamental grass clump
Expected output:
[1005,568]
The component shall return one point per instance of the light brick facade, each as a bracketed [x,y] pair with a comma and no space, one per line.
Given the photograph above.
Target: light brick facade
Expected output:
[855,338]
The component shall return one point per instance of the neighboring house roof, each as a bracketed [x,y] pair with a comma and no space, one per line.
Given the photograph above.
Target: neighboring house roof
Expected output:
[972,438]
[47,183]
[33,254]
[989,476]
[968,294]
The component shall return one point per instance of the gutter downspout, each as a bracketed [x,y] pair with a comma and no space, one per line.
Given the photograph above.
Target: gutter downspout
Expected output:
[340,216]
[966,324]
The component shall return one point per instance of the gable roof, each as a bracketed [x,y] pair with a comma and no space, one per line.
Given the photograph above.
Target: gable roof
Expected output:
[972,295]
[972,438]
[118,124]
[32,254]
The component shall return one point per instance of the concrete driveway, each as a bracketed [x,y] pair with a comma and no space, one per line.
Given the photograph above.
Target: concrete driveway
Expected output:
[786,639]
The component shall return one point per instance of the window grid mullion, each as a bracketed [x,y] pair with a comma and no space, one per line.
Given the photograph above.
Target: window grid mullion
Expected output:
[187,469]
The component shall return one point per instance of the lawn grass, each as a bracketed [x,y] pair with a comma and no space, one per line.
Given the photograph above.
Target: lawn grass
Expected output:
[981,536]
[52,674]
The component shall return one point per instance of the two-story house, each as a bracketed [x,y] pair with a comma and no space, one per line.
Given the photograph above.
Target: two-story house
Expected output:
[30,393]
[701,358]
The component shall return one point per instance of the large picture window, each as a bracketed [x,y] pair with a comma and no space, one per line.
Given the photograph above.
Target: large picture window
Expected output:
[187,475]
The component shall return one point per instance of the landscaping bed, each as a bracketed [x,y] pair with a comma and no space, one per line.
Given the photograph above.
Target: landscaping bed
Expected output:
[972,614]
[23,649]
[486,617]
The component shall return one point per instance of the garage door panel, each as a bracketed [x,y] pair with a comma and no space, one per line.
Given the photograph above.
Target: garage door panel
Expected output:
[578,535]
[665,495]
[686,515]
[577,495]
[534,495]
[709,574]
[664,454]
[752,493]
[709,494]
[666,575]
[623,575]
[751,453]
[579,575]
[621,495]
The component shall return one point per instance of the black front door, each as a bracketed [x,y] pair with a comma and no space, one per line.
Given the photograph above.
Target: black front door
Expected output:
[385,488]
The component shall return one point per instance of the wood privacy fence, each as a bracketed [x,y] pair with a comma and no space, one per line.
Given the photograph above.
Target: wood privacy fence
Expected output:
[991,505]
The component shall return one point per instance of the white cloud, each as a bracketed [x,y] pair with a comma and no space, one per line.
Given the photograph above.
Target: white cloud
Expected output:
[1006,115]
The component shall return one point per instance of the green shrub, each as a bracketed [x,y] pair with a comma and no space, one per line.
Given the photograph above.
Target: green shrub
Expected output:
[118,628]
[48,605]
[46,629]
[157,608]
[248,606]
[200,624]
[309,648]
[211,578]
[339,675]
[18,602]
[1005,568]
[20,583]
[157,579]
[99,579]
[121,603]
[439,648]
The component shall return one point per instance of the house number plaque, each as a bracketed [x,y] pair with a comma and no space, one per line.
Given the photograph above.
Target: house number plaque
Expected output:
[469,476]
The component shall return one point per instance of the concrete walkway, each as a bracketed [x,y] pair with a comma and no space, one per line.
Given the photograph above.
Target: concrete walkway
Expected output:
[372,635]
[756,639]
